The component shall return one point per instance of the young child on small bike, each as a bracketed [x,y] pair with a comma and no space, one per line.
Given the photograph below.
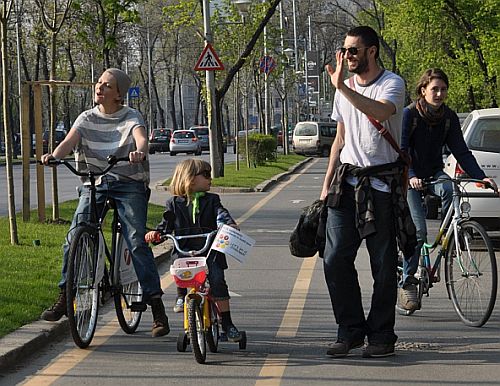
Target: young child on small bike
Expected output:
[192,210]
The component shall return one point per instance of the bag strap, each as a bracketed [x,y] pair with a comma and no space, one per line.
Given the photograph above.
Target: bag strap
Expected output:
[382,130]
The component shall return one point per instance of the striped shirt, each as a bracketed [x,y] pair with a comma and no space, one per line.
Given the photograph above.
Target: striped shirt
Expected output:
[102,135]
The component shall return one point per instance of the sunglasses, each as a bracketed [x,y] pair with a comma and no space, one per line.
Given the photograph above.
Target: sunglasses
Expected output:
[205,173]
[351,50]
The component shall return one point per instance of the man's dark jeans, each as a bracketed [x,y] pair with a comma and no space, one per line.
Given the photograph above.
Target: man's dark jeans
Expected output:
[342,244]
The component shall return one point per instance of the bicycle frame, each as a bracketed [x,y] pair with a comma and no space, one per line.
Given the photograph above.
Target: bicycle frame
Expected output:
[203,296]
[448,226]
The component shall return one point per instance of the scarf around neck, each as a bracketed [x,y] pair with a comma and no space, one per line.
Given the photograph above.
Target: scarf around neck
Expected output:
[196,204]
[430,115]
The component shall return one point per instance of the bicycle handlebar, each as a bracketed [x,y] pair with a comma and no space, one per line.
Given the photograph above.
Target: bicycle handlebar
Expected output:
[432,181]
[112,161]
[176,239]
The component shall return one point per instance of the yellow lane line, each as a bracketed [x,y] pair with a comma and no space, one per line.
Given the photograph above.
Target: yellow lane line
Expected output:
[275,364]
[293,313]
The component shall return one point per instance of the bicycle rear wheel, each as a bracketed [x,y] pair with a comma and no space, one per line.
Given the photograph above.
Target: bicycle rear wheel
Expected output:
[471,274]
[213,332]
[197,330]
[127,297]
[81,287]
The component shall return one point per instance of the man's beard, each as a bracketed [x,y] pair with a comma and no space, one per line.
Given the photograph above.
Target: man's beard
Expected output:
[362,66]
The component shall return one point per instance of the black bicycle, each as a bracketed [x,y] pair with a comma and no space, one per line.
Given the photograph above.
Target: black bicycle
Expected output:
[89,275]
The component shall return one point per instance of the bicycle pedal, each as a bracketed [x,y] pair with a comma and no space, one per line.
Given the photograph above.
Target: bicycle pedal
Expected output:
[223,337]
[138,307]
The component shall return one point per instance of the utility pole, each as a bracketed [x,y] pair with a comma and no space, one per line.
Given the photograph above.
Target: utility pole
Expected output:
[215,159]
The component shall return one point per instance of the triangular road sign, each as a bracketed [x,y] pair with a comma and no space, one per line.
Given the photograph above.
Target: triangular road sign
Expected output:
[208,61]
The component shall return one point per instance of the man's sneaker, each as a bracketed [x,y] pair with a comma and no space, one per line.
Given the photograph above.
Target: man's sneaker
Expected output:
[378,350]
[233,334]
[160,320]
[342,348]
[57,310]
[408,298]
[179,305]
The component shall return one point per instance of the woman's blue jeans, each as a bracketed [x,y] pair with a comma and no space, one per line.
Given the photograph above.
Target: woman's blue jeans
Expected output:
[342,244]
[132,202]
[444,190]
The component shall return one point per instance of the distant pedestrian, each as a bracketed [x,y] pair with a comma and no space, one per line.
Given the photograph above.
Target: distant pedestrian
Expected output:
[363,192]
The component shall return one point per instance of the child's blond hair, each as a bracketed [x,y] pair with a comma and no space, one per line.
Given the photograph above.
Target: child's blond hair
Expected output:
[184,174]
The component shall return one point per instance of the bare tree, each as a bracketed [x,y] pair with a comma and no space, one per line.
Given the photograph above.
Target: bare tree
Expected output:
[53,24]
[5,12]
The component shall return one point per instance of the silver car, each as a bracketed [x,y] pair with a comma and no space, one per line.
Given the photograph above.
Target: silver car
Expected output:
[482,135]
[185,141]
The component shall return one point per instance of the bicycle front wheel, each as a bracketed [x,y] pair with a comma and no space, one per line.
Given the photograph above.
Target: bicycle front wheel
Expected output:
[128,297]
[197,330]
[471,274]
[82,291]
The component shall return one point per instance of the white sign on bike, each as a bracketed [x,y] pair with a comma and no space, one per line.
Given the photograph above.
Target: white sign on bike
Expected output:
[232,242]
[127,271]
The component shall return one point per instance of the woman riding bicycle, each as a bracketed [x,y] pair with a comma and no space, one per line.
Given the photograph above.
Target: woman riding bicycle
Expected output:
[192,210]
[428,125]
[112,128]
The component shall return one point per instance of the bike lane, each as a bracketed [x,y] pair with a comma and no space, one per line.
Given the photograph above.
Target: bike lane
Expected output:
[283,304]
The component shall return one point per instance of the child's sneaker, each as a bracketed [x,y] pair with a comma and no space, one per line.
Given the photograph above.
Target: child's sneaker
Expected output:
[179,305]
[233,334]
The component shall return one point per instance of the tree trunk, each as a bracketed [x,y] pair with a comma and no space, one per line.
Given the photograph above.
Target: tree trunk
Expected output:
[52,125]
[7,129]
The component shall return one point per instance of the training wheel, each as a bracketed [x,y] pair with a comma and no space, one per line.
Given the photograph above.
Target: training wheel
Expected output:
[182,342]
[243,342]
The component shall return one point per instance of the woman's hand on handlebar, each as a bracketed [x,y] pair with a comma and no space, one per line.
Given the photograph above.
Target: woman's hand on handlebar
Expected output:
[152,236]
[136,157]
[490,183]
[416,183]
[46,158]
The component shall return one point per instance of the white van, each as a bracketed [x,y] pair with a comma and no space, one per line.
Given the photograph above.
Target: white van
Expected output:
[314,137]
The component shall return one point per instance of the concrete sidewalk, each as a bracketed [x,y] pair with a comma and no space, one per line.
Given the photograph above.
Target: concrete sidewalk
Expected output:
[20,344]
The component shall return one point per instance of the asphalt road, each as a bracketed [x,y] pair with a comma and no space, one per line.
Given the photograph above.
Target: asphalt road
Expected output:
[282,303]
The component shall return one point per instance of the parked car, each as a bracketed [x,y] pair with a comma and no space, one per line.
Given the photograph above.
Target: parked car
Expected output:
[159,140]
[184,141]
[314,137]
[203,136]
[481,131]
[59,136]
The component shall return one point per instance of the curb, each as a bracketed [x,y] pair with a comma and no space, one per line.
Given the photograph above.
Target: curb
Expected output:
[17,346]
[262,187]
